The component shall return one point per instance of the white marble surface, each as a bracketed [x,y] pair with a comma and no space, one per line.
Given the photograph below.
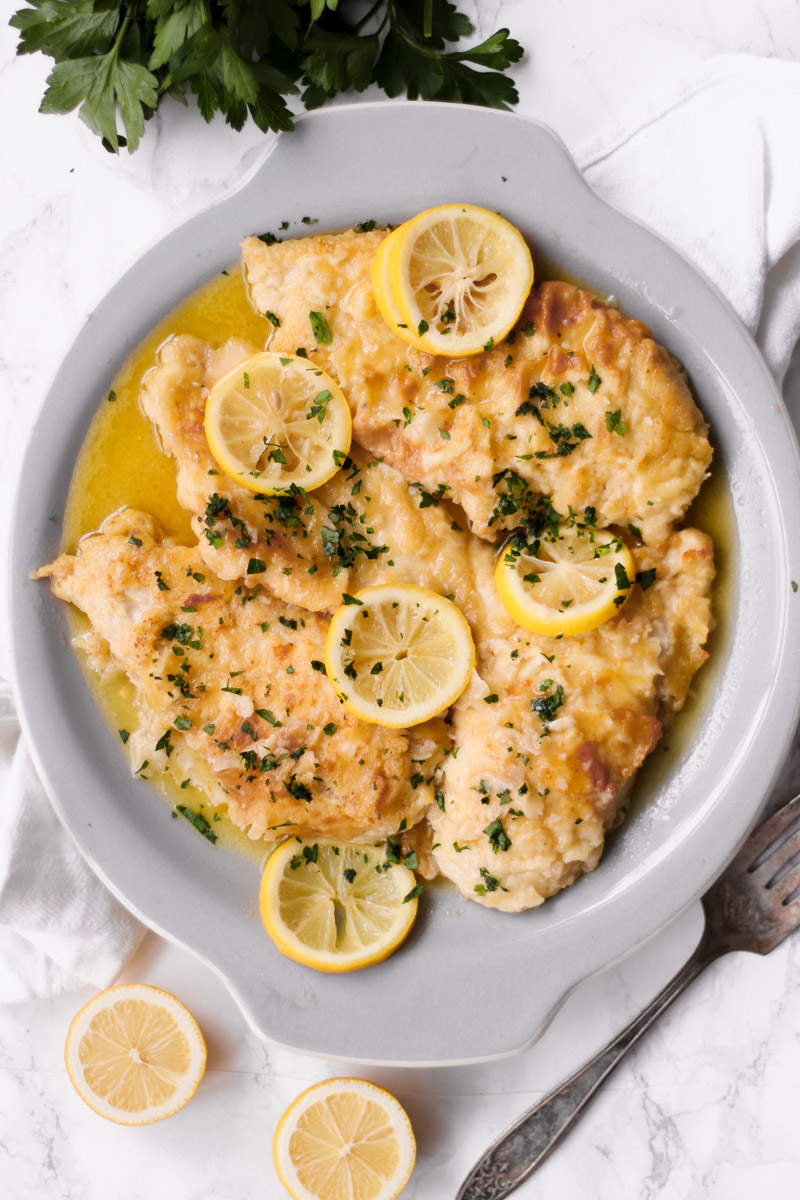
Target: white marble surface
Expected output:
[706,1107]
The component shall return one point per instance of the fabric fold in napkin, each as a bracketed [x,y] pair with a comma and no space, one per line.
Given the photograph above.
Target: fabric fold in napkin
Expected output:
[712,166]
[60,927]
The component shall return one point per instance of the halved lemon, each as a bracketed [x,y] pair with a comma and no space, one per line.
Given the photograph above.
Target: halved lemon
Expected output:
[344,1139]
[398,654]
[458,276]
[135,1054]
[336,906]
[564,584]
[277,420]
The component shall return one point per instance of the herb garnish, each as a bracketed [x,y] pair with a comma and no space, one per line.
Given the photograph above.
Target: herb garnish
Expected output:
[320,328]
[198,820]
[237,58]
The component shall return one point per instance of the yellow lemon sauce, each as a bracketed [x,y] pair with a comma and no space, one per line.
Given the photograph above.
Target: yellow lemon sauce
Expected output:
[121,463]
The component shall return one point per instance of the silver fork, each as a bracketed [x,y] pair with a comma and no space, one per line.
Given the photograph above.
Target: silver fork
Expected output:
[752,906]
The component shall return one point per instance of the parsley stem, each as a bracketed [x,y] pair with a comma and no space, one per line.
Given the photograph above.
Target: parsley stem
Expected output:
[427,19]
[123,29]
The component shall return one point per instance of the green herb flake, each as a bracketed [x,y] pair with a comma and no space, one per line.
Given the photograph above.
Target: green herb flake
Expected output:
[320,329]
[198,820]
[615,423]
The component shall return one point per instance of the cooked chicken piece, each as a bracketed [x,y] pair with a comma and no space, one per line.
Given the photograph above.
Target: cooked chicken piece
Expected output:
[552,731]
[229,674]
[364,526]
[579,404]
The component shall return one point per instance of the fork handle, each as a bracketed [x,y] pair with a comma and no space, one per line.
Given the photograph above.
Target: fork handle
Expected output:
[520,1150]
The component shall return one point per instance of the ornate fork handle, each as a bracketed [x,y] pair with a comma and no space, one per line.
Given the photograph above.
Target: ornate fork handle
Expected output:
[521,1149]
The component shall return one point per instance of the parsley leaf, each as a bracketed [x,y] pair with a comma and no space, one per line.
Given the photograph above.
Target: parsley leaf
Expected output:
[118,59]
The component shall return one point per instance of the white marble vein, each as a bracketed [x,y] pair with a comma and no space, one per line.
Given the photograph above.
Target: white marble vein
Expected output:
[706,1107]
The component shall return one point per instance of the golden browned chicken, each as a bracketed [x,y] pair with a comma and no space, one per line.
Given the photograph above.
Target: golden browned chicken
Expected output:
[235,676]
[578,403]
[552,732]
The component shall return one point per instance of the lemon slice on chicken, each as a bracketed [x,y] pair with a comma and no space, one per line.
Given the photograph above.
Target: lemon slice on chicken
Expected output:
[277,420]
[335,906]
[459,276]
[135,1054]
[398,654]
[382,288]
[564,584]
[344,1138]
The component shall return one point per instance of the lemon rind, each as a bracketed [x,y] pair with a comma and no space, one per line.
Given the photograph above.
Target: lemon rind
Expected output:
[329,962]
[188,1025]
[394,718]
[536,618]
[431,341]
[216,443]
[318,1091]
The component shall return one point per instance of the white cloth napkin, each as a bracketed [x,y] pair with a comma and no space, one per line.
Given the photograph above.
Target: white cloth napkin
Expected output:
[60,927]
[714,167]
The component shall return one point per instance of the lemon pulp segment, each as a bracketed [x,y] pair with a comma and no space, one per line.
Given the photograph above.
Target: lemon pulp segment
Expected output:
[564,583]
[277,420]
[459,276]
[135,1054]
[399,654]
[344,1138]
[336,906]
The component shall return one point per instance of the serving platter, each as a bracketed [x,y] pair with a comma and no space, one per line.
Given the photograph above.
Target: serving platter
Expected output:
[470,983]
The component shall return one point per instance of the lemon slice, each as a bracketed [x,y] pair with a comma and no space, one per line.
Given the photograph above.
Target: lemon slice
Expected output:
[335,906]
[135,1054]
[398,654]
[459,276]
[344,1138]
[382,289]
[277,420]
[566,584]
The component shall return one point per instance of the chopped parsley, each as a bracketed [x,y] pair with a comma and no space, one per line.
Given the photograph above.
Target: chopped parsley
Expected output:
[546,707]
[498,838]
[198,820]
[320,328]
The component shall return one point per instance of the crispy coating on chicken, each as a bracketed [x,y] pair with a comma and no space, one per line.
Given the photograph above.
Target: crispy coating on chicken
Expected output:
[229,674]
[579,404]
[364,526]
[541,769]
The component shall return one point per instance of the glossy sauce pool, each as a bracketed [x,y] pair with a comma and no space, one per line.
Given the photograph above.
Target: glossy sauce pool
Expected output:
[121,463]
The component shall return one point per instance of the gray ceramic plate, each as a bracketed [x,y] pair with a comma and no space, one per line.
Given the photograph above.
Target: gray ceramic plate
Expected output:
[470,983]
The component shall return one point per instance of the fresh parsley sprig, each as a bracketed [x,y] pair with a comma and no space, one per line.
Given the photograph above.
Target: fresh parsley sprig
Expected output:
[116,61]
